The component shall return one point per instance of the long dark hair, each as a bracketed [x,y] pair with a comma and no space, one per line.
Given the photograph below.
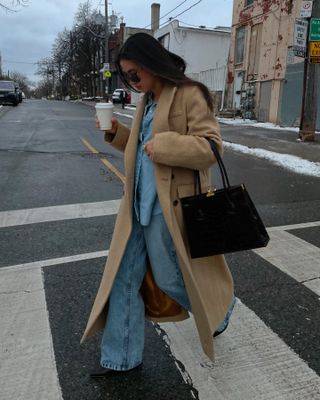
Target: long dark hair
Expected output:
[148,52]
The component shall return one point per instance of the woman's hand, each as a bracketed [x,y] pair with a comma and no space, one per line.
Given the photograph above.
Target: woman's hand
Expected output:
[149,149]
[114,126]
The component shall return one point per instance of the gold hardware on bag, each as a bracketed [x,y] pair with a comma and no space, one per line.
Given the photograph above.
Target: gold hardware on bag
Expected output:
[210,192]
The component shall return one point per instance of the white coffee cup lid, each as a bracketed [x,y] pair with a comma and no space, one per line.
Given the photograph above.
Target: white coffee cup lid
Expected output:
[104,105]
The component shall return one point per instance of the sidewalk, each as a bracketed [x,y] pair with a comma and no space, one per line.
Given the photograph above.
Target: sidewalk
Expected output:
[269,137]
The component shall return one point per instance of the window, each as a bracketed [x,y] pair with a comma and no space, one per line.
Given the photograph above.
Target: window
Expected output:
[165,41]
[239,48]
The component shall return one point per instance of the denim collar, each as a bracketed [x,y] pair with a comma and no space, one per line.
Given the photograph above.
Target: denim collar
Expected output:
[150,99]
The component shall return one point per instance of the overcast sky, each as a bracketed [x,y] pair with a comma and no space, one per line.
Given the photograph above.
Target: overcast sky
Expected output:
[27,35]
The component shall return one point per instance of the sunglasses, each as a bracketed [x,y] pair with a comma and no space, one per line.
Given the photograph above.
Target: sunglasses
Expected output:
[131,76]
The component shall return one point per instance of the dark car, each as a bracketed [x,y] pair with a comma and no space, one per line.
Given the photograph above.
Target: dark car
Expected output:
[9,93]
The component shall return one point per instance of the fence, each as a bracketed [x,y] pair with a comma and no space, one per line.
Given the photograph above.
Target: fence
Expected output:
[214,78]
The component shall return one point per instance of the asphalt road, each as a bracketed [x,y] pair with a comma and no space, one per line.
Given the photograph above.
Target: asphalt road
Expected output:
[44,162]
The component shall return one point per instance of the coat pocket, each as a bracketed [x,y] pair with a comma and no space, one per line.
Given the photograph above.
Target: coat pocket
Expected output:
[188,189]
[185,190]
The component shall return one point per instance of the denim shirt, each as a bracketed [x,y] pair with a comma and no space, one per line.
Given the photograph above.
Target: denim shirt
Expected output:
[146,202]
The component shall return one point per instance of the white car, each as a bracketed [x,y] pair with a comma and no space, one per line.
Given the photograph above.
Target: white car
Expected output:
[116,95]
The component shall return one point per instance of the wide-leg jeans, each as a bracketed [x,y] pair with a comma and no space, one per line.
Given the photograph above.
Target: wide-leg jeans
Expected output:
[123,337]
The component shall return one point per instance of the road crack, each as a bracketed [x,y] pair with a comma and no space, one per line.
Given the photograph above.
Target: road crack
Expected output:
[186,376]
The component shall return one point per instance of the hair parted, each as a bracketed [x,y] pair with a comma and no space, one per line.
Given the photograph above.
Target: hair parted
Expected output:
[149,53]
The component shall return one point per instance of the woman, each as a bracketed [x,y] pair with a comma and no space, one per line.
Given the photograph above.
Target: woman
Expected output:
[149,271]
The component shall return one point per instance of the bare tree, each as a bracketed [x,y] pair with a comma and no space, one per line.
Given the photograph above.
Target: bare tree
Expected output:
[12,5]
[22,80]
[76,58]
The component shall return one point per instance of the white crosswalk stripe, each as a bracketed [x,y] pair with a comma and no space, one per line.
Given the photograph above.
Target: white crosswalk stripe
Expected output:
[58,213]
[27,362]
[248,366]
[295,257]
[257,366]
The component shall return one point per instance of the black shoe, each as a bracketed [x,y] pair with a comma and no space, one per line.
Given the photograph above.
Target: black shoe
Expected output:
[217,333]
[102,372]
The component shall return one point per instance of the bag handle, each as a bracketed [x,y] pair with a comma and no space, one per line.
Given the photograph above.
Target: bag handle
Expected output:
[222,169]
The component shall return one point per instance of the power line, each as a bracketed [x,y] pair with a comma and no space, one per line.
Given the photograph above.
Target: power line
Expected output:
[184,11]
[195,26]
[180,4]
[19,62]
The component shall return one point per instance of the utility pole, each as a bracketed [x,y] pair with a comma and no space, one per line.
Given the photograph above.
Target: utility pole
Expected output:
[309,107]
[106,48]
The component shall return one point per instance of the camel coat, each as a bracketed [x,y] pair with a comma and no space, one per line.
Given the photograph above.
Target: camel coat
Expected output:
[181,122]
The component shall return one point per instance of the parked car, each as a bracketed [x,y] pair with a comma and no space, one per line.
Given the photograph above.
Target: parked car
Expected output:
[9,92]
[116,96]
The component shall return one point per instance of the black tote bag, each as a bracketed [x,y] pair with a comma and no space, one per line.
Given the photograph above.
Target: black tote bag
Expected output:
[222,221]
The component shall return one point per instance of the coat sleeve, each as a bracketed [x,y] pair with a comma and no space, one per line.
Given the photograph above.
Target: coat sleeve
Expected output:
[120,139]
[190,150]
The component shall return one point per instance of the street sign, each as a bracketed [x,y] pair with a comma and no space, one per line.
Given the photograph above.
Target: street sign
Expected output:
[314,29]
[314,49]
[306,9]
[314,52]
[300,37]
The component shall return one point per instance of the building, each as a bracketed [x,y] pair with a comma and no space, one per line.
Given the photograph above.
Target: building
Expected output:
[264,77]
[120,35]
[204,50]
[116,39]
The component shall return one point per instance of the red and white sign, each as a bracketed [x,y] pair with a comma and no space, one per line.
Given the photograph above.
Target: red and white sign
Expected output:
[306,9]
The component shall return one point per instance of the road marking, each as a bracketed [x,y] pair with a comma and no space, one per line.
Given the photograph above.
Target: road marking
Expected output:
[107,163]
[294,226]
[91,148]
[58,213]
[251,363]
[294,256]
[89,210]
[123,115]
[114,170]
[55,261]
[27,362]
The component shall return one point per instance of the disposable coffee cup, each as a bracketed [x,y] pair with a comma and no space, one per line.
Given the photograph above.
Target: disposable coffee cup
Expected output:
[104,113]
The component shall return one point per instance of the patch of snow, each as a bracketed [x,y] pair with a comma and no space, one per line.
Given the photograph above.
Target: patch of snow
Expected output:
[293,163]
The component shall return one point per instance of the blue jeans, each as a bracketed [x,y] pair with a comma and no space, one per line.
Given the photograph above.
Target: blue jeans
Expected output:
[123,337]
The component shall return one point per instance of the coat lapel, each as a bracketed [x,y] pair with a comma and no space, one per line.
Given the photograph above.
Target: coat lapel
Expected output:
[161,117]
[160,124]
[131,148]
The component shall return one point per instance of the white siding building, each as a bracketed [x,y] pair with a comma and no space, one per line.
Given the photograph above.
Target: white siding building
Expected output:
[204,50]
